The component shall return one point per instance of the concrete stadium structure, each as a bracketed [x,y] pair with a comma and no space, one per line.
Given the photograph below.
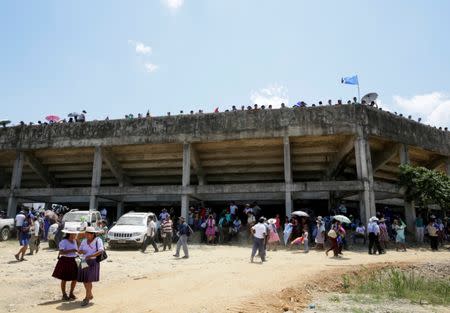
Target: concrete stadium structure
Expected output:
[279,156]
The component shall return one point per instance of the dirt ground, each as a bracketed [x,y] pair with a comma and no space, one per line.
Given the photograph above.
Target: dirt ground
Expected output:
[214,279]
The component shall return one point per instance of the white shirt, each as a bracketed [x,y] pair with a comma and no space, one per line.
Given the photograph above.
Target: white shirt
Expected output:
[19,219]
[360,230]
[151,228]
[36,228]
[90,249]
[67,245]
[233,209]
[260,230]
[373,228]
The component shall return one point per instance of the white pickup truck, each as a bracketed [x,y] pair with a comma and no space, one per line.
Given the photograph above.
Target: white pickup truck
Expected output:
[7,228]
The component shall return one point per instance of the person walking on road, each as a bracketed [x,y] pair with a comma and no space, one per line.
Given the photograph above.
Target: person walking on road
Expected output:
[166,233]
[184,231]
[35,240]
[259,232]
[151,235]
[24,239]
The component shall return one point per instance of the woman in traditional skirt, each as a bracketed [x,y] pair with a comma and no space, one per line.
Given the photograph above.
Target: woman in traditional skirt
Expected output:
[210,229]
[274,238]
[66,269]
[90,248]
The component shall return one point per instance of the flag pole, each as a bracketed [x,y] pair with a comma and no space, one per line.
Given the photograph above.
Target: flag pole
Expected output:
[359,95]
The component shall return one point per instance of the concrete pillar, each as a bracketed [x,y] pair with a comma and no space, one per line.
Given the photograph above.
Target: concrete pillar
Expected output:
[410,210]
[365,174]
[287,175]
[184,205]
[96,178]
[16,180]
[186,180]
[404,155]
[120,209]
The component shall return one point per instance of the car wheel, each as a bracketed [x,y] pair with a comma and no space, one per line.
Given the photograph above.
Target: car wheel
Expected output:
[51,244]
[5,234]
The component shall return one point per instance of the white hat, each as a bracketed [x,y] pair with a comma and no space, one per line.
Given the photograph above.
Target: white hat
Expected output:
[70,231]
[272,221]
[91,229]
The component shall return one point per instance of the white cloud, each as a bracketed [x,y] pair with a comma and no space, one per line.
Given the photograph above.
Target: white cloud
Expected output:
[140,47]
[272,94]
[151,67]
[433,108]
[174,4]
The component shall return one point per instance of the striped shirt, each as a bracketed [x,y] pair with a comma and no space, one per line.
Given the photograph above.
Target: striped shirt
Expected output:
[167,226]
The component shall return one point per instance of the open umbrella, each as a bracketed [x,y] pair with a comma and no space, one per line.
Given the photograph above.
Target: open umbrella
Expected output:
[342,219]
[52,118]
[300,214]
[4,123]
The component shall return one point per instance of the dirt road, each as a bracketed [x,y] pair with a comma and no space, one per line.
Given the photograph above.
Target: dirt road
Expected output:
[215,279]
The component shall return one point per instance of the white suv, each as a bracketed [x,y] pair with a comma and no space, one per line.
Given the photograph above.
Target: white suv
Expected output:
[72,219]
[130,230]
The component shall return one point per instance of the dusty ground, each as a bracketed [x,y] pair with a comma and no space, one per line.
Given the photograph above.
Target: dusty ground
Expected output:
[215,279]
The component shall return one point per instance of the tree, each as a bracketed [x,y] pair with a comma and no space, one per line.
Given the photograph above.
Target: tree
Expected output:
[425,186]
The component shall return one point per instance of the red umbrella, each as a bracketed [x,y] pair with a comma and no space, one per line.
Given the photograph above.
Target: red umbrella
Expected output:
[52,118]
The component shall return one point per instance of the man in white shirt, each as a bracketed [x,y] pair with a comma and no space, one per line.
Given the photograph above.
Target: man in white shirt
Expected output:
[233,209]
[151,235]
[259,234]
[35,240]
[374,233]
[20,217]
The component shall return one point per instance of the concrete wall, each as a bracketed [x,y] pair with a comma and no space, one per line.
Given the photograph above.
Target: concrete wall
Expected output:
[326,120]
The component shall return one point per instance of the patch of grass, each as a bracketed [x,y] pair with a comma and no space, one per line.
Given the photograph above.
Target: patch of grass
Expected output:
[365,299]
[395,283]
[334,298]
[358,310]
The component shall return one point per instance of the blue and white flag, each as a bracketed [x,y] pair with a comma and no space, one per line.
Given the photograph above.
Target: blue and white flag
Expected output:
[353,80]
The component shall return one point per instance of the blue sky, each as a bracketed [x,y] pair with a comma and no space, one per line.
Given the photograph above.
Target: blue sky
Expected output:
[112,58]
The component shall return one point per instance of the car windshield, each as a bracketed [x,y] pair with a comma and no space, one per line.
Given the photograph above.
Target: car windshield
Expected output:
[76,216]
[131,220]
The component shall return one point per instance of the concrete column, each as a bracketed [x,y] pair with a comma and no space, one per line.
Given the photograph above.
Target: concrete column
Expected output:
[410,210]
[120,209]
[287,175]
[184,206]
[365,174]
[16,180]
[404,155]
[186,180]
[96,178]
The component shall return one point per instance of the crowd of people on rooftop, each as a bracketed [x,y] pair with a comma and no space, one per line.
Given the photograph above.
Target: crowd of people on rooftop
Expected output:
[81,117]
